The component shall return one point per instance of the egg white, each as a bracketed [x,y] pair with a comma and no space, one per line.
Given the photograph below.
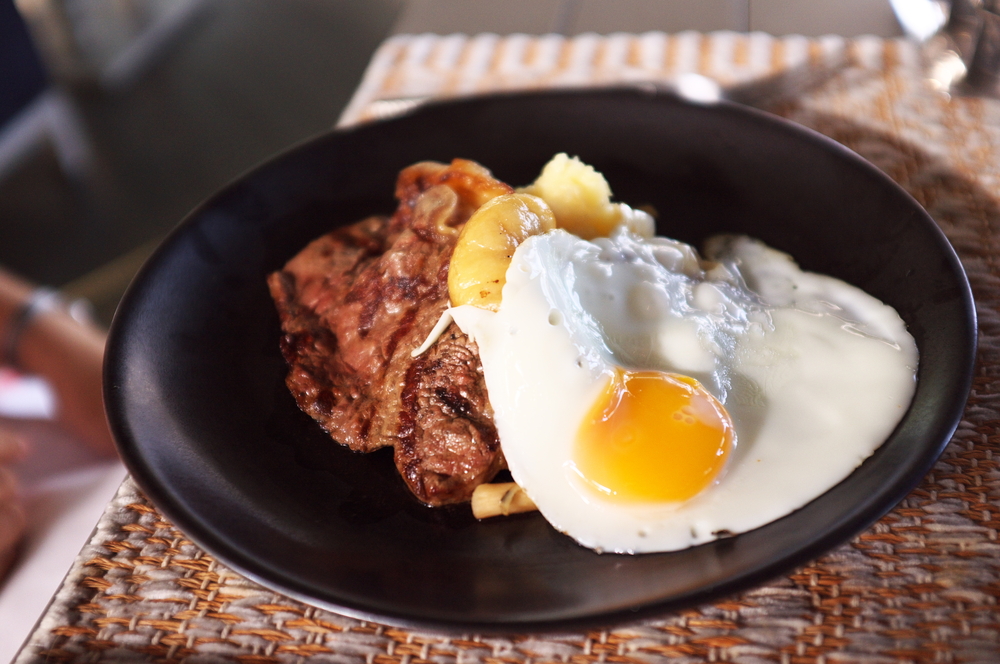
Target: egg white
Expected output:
[814,372]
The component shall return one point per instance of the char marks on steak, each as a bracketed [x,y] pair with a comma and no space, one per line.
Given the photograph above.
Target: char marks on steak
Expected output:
[353,305]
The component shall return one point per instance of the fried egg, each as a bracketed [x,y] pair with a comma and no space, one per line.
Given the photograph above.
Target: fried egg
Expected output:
[649,401]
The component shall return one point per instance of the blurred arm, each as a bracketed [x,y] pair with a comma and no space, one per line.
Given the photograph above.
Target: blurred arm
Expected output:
[68,354]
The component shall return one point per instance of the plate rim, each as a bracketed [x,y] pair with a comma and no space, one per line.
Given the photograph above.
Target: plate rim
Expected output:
[848,526]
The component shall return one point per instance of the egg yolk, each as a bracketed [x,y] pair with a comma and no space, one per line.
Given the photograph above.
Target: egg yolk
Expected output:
[653,436]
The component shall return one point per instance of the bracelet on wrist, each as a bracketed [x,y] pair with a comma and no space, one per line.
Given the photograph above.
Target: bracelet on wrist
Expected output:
[40,301]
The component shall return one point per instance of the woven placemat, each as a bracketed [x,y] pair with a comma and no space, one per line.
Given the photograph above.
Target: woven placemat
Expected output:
[919,586]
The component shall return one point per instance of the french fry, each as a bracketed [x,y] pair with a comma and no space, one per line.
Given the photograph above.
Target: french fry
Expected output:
[500,500]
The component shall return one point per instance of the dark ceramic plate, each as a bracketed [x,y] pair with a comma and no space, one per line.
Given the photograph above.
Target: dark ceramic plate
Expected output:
[194,379]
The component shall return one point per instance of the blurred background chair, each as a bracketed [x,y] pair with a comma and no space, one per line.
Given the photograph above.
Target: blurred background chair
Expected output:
[33,112]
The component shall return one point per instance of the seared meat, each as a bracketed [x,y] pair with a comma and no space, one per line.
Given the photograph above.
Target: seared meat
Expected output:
[353,305]
[446,444]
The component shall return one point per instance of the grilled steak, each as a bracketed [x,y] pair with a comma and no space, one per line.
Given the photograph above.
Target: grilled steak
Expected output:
[353,305]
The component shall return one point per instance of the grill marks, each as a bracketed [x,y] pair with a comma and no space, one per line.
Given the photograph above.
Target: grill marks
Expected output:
[354,303]
[448,444]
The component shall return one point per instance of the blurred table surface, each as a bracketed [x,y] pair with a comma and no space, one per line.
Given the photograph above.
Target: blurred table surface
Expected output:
[921,585]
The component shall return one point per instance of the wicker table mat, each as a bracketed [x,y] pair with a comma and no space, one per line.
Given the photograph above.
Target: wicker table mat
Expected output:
[920,586]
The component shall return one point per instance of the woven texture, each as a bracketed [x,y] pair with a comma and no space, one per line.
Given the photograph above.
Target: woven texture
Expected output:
[919,586]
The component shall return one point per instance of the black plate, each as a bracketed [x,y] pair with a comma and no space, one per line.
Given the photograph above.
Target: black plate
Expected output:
[194,380]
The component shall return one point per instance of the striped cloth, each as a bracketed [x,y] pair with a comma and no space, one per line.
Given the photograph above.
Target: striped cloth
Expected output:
[417,67]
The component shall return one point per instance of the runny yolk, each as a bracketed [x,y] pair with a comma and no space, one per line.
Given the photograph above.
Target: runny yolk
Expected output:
[653,436]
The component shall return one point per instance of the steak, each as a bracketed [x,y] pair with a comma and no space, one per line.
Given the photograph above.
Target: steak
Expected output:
[356,302]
